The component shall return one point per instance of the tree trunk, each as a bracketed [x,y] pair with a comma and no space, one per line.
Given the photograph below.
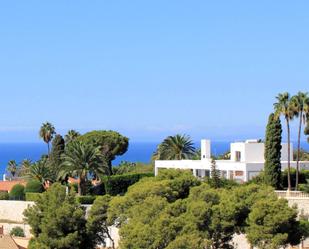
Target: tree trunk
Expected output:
[48,150]
[289,159]
[298,150]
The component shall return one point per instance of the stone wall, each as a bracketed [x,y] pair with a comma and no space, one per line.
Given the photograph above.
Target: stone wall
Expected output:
[13,210]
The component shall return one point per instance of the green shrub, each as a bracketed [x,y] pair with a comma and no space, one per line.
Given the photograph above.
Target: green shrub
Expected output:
[33,196]
[17,231]
[17,192]
[34,186]
[97,189]
[118,184]
[303,175]
[4,195]
[86,199]
[73,187]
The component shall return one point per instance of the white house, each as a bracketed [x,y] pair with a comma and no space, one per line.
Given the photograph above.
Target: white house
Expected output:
[247,160]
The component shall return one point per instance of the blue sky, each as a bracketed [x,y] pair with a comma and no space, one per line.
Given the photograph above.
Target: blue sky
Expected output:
[149,68]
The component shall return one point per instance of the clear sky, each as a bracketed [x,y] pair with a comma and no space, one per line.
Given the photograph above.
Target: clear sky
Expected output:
[210,69]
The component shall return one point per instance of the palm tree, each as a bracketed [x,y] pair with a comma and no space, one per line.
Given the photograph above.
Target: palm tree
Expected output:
[175,148]
[300,107]
[25,167]
[12,167]
[283,107]
[71,135]
[40,171]
[47,132]
[82,159]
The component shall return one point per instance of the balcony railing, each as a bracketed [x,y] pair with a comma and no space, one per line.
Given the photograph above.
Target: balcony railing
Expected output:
[292,194]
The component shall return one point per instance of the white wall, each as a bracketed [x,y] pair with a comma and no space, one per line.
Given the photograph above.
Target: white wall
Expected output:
[13,210]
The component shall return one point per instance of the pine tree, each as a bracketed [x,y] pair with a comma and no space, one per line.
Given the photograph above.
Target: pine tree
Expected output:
[272,154]
[215,175]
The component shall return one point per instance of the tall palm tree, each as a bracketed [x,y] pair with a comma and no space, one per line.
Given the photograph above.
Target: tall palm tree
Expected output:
[47,132]
[71,135]
[300,107]
[82,159]
[175,148]
[283,107]
[25,167]
[12,167]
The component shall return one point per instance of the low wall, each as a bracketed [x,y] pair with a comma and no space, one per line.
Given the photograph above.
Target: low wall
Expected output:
[13,210]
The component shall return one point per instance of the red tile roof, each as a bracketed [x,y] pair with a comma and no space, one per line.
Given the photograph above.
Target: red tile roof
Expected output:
[8,185]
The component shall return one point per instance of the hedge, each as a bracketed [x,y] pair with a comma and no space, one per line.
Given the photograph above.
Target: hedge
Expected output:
[4,195]
[118,184]
[86,199]
[17,192]
[33,196]
[303,175]
[34,186]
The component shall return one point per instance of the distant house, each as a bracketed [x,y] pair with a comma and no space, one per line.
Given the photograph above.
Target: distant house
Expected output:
[246,162]
[6,186]
[7,241]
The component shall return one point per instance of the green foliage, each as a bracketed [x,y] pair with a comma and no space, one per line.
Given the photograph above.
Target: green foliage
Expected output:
[118,184]
[175,148]
[17,231]
[272,224]
[175,210]
[215,180]
[17,192]
[284,107]
[33,196]
[55,157]
[97,222]
[112,143]
[128,167]
[34,186]
[303,155]
[40,171]
[57,221]
[12,167]
[303,176]
[71,136]
[80,160]
[86,199]
[224,156]
[4,195]
[272,154]
[47,132]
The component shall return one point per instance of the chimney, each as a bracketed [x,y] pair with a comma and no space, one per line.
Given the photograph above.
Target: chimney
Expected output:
[205,149]
[4,177]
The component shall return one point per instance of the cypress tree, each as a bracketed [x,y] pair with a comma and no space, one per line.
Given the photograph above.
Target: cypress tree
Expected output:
[56,153]
[215,175]
[272,154]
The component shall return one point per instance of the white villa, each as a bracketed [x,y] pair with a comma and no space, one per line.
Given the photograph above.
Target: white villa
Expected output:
[247,160]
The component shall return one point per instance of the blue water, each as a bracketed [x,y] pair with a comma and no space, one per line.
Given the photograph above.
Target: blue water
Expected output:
[137,152]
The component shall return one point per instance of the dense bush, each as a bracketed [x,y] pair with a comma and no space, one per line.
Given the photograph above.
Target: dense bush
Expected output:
[4,195]
[97,189]
[34,186]
[118,184]
[85,199]
[18,232]
[303,175]
[33,196]
[17,192]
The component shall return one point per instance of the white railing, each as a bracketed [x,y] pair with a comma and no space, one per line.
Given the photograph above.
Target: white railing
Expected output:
[291,194]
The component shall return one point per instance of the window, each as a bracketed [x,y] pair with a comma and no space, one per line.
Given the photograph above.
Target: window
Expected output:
[237,156]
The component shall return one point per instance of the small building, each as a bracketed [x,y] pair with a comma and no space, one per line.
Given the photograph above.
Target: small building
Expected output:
[246,161]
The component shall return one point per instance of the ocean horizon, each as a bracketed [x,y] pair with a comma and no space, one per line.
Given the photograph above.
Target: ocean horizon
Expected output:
[137,151]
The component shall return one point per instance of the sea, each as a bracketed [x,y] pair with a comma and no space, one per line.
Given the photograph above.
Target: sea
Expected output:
[137,152]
